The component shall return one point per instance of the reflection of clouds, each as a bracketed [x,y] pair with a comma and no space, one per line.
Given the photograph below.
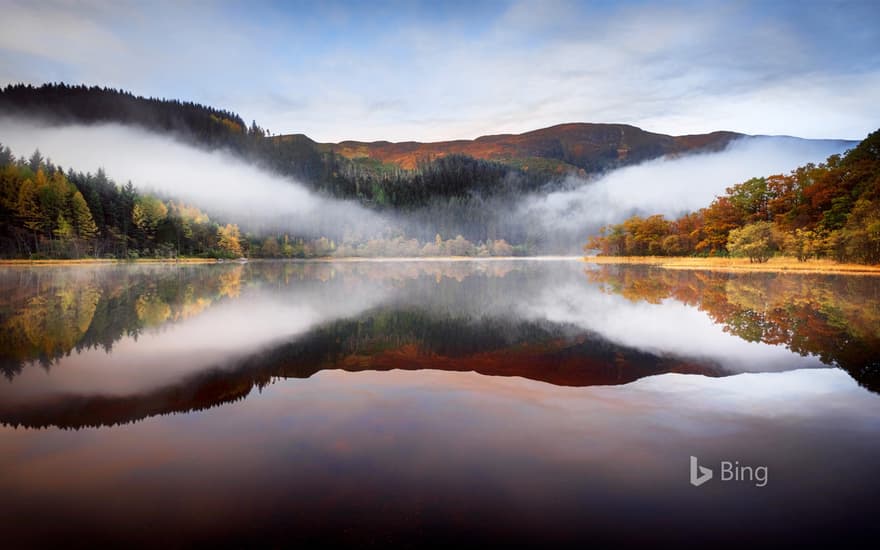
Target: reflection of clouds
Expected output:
[668,328]
[282,300]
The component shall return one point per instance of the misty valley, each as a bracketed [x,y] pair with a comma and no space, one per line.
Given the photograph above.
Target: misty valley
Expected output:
[436,398]
[88,172]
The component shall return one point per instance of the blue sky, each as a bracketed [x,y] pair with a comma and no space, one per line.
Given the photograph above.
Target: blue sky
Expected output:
[434,70]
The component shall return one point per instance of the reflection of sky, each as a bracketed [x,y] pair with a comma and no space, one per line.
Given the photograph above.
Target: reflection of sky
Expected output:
[432,446]
[668,328]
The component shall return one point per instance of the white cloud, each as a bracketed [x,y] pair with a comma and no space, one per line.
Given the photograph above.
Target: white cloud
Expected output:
[674,69]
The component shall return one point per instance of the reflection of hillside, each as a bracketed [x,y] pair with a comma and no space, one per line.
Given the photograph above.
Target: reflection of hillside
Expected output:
[834,317]
[384,339]
[46,313]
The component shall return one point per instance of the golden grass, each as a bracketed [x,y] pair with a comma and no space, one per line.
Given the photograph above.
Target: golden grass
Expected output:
[740,264]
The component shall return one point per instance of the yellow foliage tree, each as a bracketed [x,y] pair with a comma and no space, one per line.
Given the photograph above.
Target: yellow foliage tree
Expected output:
[229,239]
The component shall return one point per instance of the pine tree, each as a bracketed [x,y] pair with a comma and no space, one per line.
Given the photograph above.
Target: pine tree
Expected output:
[64,229]
[35,161]
[28,208]
[82,217]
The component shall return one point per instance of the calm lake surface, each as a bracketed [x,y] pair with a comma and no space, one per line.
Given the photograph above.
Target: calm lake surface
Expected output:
[411,402]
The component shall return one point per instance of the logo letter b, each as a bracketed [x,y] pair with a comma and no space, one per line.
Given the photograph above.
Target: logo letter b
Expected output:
[699,474]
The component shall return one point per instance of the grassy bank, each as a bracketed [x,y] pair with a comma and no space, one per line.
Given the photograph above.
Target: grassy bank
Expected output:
[740,264]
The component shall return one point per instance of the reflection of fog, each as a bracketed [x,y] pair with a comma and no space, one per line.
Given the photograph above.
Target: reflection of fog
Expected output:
[251,317]
[667,328]
[124,330]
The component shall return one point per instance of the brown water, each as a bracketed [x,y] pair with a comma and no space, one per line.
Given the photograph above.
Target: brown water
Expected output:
[413,402]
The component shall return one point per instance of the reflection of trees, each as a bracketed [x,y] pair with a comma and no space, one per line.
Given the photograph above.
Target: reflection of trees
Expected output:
[46,313]
[834,317]
[49,325]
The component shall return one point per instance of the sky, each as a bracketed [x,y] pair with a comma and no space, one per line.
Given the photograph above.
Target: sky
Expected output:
[430,71]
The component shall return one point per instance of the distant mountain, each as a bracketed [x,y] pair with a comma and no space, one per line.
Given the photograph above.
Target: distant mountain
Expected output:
[585,147]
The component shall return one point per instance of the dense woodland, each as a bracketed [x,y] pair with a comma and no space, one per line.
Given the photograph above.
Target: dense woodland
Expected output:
[830,210]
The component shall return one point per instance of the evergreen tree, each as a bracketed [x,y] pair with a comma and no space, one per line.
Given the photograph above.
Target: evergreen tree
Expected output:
[82,217]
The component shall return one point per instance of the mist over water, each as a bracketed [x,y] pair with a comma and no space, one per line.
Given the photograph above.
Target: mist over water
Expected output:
[233,190]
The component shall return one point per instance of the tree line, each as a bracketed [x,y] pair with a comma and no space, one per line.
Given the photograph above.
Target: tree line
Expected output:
[829,210]
[48,213]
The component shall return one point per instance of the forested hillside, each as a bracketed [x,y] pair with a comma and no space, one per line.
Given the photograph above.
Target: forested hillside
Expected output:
[827,210]
[401,175]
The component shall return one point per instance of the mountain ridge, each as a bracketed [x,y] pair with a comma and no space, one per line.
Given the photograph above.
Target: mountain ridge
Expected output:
[571,147]
[580,146]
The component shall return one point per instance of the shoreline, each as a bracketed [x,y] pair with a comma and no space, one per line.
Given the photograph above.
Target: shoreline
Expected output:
[98,261]
[774,265]
[326,259]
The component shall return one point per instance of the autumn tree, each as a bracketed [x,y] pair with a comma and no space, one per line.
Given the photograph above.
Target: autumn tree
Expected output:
[719,219]
[229,239]
[148,213]
[861,235]
[751,198]
[754,241]
[82,218]
[804,244]
[28,209]
[270,248]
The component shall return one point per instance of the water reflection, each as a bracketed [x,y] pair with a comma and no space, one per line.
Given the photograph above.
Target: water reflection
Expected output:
[120,343]
[590,388]
[834,318]
[438,457]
